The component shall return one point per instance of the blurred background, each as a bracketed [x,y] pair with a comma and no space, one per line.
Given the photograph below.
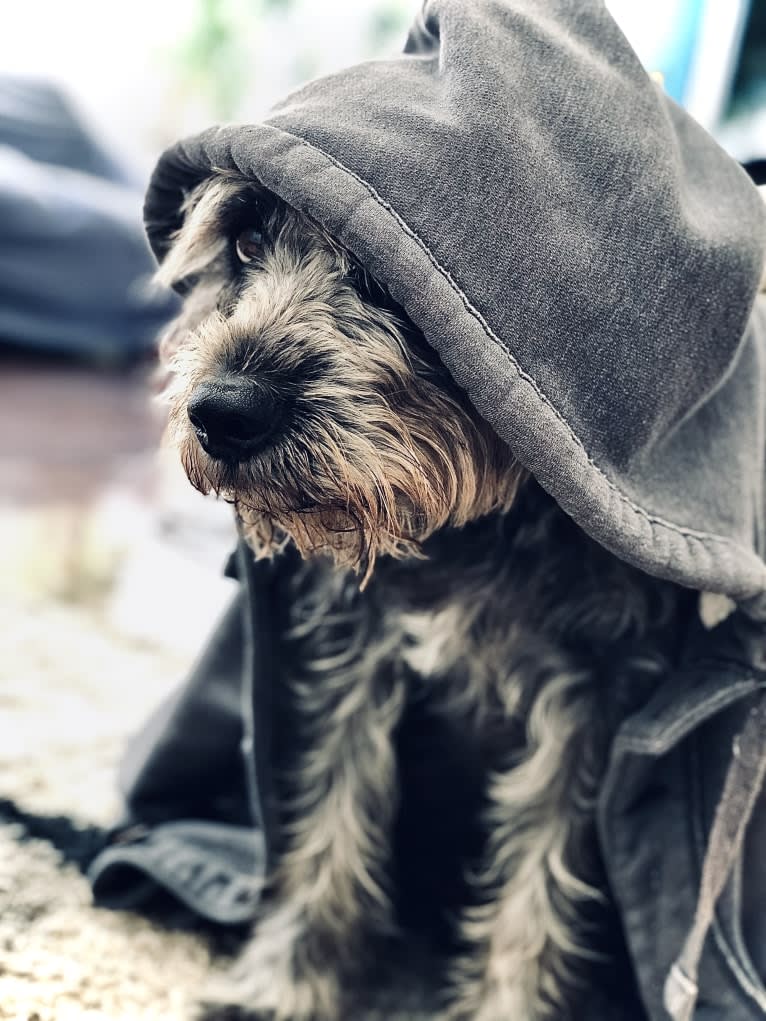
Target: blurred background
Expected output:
[110,565]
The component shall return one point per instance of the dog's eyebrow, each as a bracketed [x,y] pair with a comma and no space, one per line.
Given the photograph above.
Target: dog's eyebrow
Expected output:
[241,208]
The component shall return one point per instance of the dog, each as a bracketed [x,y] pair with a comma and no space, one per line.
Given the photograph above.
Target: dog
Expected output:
[437,581]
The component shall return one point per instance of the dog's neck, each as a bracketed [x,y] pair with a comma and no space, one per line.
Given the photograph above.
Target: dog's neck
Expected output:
[528,578]
[489,557]
[527,581]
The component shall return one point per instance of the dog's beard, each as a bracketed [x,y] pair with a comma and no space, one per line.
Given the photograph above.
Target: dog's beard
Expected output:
[381,449]
[382,487]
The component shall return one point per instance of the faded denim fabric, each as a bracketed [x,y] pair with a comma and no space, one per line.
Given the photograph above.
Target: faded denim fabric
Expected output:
[196,779]
[656,807]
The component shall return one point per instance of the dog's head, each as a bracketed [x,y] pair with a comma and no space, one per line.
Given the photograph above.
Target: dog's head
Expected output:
[301,393]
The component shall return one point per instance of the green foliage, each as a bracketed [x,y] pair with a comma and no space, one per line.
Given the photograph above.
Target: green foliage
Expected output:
[208,59]
[215,58]
[389,21]
[280,6]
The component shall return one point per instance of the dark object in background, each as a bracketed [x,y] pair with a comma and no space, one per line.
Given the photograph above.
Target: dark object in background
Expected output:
[757,171]
[74,266]
[749,84]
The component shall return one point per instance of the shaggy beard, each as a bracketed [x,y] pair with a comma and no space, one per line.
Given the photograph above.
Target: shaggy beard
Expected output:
[355,497]
[275,502]
[353,525]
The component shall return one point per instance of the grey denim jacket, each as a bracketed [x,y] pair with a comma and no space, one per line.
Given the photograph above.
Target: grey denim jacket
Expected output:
[586,261]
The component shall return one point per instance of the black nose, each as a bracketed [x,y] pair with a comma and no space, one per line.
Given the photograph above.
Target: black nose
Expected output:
[233,419]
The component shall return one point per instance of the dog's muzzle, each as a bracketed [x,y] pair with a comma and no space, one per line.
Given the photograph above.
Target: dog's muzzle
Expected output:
[234,419]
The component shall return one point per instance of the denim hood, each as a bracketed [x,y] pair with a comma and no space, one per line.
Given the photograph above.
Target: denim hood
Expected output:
[582,255]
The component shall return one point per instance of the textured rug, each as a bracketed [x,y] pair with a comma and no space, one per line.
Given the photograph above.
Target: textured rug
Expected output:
[63,959]
[70,694]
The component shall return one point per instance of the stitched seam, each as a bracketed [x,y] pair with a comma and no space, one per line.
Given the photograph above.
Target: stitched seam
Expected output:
[474,312]
[755,992]
[734,960]
[720,699]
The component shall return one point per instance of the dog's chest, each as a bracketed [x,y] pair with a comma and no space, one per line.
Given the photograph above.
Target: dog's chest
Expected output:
[429,640]
[456,672]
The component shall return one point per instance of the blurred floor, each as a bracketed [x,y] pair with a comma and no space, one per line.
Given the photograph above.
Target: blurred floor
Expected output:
[110,575]
[66,431]
[69,437]
[85,492]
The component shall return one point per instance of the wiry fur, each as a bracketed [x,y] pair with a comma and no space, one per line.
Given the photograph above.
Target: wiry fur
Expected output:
[487,606]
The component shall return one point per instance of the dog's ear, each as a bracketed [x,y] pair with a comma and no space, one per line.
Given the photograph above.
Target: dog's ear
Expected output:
[762,191]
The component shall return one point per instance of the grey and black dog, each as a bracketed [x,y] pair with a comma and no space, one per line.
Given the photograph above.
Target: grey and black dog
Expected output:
[439,579]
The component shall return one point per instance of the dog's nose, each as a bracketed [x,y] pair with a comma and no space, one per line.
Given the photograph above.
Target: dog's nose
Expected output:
[232,419]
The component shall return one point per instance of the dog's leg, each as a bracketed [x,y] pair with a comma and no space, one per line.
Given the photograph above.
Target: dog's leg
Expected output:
[523,938]
[328,889]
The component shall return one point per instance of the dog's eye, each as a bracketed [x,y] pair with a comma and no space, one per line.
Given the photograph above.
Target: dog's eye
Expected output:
[249,244]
